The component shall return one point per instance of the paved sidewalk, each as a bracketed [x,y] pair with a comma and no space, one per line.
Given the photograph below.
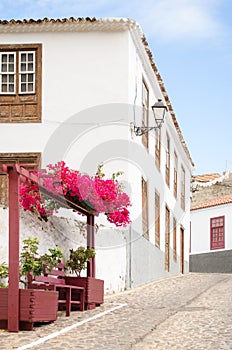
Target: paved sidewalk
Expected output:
[185,312]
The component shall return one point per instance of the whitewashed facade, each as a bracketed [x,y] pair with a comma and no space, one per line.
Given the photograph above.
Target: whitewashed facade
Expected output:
[94,77]
[211,239]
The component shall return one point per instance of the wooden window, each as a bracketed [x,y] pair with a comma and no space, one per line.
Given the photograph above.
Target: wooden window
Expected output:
[167,239]
[175,177]
[167,167]
[7,72]
[20,83]
[181,249]
[157,219]
[145,116]
[174,239]
[217,232]
[19,158]
[182,188]
[145,209]
[157,147]
[27,72]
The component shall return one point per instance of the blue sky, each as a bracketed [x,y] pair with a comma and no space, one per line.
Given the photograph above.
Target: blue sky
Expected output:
[191,42]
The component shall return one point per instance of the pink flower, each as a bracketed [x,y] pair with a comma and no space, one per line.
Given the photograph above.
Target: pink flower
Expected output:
[98,194]
[119,218]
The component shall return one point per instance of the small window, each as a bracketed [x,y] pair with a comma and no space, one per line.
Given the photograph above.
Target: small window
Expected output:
[182,188]
[217,233]
[15,158]
[157,219]
[20,83]
[174,239]
[167,167]
[7,73]
[175,178]
[145,209]
[157,147]
[167,239]
[27,72]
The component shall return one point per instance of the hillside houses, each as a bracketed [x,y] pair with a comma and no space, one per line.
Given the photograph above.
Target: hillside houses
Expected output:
[211,243]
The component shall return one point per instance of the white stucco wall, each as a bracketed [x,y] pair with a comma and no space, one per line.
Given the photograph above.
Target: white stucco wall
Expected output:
[200,227]
[92,84]
[79,71]
[138,71]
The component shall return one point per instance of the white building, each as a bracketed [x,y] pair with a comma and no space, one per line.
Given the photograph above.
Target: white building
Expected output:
[74,89]
[211,240]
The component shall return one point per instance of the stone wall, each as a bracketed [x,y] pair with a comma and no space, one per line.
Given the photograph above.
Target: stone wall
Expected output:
[213,262]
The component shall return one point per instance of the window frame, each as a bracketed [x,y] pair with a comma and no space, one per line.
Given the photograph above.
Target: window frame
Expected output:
[174,230]
[15,158]
[8,72]
[167,238]
[22,106]
[157,147]
[26,72]
[182,195]
[168,160]
[157,219]
[175,175]
[145,211]
[218,244]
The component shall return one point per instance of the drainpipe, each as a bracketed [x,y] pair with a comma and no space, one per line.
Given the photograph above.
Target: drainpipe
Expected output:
[129,252]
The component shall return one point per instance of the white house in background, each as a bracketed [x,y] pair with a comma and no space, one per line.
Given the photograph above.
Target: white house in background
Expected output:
[211,239]
[74,89]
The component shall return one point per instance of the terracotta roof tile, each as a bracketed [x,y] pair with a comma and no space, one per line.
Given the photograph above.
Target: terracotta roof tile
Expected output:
[206,177]
[48,20]
[214,202]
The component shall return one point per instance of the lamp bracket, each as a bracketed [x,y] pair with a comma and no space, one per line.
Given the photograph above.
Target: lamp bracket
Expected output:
[141,130]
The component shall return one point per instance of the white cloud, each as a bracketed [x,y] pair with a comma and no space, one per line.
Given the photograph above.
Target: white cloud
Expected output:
[181,19]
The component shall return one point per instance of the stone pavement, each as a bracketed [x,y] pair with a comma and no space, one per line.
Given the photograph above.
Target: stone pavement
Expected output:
[193,311]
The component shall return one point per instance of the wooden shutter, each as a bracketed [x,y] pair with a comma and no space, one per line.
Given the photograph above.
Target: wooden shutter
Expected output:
[20,158]
[157,219]
[145,209]
[167,239]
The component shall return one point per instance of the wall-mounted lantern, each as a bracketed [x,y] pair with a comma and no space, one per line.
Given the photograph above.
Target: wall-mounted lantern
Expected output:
[159,111]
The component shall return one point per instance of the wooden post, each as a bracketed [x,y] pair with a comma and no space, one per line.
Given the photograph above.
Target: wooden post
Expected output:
[93,244]
[13,290]
[90,244]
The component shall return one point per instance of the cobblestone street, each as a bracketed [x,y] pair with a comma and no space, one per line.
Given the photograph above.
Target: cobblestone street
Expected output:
[193,311]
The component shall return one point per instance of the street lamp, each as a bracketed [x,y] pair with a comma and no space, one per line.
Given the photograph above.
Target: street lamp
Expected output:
[159,111]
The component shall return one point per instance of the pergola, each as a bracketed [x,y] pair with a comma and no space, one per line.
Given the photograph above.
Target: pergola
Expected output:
[17,173]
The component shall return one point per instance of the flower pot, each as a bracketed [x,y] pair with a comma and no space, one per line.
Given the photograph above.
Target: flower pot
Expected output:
[34,306]
[94,289]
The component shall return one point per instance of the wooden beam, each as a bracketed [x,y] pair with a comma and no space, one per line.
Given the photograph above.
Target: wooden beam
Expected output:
[66,203]
[13,289]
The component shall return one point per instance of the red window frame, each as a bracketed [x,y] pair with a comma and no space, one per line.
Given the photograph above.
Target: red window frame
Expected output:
[217,232]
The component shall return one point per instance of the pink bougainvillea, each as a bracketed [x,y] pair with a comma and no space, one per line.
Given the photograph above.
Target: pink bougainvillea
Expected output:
[93,193]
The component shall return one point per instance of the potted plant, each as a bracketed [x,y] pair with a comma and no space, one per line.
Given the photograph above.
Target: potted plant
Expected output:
[94,288]
[34,305]
[31,264]
[3,274]
[78,259]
